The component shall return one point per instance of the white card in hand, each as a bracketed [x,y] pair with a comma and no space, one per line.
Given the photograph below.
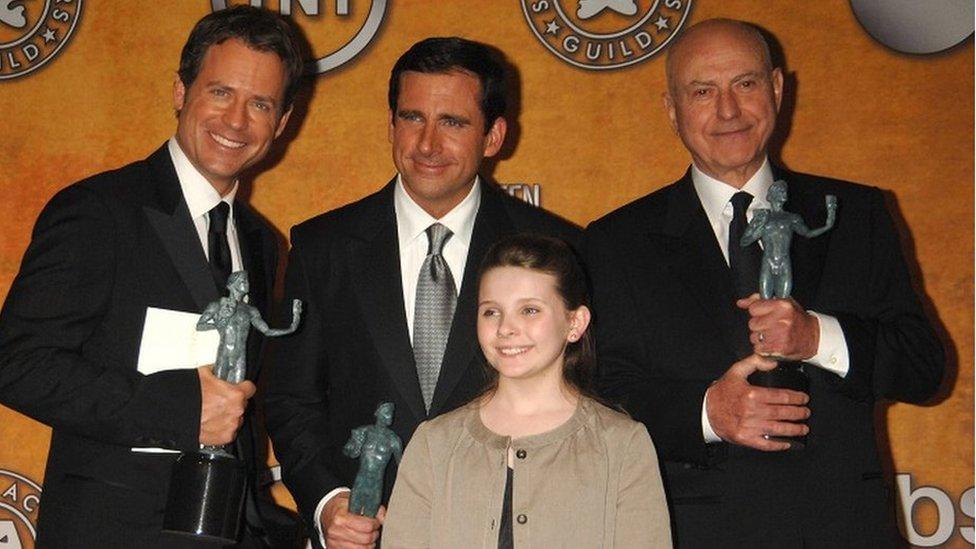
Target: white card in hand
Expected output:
[170,341]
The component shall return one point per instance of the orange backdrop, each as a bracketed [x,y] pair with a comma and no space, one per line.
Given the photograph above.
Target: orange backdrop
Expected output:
[592,140]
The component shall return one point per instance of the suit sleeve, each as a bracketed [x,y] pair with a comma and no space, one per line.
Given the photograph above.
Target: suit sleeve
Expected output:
[408,522]
[56,304]
[296,398]
[628,375]
[894,352]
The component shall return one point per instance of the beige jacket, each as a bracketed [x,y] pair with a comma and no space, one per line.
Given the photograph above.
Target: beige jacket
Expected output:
[591,482]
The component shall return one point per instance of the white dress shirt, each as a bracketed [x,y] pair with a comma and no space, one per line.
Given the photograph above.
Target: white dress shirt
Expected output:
[200,198]
[715,197]
[412,222]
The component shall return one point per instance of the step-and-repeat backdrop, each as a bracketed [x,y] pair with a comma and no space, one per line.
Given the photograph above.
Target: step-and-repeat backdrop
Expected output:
[879,92]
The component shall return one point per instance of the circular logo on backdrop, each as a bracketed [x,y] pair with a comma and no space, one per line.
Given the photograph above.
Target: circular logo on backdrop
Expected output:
[20,498]
[605,34]
[33,32]
[337,31]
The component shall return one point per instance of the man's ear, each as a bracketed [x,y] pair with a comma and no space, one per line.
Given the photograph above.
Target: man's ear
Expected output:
[179,95]
[495,137]
[282,122]
[671,109]
[777,79]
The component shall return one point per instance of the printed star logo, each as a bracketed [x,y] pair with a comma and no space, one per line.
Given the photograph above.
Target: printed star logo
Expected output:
[33,37]
[605,34]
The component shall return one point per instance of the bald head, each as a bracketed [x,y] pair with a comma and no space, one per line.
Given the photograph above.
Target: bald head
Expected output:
[723,96]
[709,29]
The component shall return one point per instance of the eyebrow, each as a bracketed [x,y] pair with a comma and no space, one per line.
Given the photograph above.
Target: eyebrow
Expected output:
[736,78]
[404,113]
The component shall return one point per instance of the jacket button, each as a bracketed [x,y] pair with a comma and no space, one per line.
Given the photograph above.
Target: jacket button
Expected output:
[522,519]
[520,454]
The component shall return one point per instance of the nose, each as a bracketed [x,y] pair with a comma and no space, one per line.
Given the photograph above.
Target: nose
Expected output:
[235,116]
[428,143]
[506,327]
[728,106]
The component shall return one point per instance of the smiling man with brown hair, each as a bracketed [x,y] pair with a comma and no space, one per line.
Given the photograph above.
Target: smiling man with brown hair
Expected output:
[160,233]
[390,283]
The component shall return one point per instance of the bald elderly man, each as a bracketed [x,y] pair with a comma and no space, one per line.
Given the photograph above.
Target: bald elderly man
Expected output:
[678,333]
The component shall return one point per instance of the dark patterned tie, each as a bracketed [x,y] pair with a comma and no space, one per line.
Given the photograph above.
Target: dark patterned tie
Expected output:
[433,311]
[218,247]
[744,262]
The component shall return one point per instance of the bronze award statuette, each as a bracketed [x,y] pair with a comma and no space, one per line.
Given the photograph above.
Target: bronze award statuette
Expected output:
[206,491]
[774,228]
[373,445]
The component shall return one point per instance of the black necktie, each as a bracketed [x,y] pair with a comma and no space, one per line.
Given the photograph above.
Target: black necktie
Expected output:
[218,247]
[743,261]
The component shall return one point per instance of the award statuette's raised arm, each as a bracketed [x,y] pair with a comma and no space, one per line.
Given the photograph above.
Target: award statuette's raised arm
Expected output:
[262,326]
[801,228]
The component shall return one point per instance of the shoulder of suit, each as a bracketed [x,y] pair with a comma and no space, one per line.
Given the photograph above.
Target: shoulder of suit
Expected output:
[122,186]
[827,185]
[529,217]
[653,205]
[343,218]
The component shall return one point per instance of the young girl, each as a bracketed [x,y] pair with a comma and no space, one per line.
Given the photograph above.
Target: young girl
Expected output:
[534,461]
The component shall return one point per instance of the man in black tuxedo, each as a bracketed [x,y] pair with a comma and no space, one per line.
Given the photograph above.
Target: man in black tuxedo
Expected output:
[369,273]
[163,232]
[677,336]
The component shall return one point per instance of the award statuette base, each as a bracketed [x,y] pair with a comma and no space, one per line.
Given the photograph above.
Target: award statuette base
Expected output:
[787,375]
[206,495]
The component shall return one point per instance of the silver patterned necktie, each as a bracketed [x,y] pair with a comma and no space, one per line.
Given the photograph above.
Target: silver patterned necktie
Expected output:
[433,311]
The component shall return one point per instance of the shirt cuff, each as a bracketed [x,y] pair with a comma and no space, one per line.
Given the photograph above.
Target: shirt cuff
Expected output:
[832,352]
[321,507]
[707,432]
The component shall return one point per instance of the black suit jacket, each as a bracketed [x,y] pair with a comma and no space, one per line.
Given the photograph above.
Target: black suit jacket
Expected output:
[666,328]
[102,251]
[353,349]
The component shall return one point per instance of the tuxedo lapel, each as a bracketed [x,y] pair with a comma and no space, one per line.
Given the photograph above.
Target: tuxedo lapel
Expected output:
[699,265]
[491,223]
[375,264]
[806,254]
[170,218]
[258,260]
[254,257]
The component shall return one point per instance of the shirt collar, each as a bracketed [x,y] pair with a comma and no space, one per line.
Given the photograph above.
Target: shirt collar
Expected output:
[412,220]
[715,194]
[199,194]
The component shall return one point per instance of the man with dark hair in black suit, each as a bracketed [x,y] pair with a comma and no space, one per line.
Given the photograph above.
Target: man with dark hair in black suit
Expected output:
[678,332]
[389,283]
[162,233]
